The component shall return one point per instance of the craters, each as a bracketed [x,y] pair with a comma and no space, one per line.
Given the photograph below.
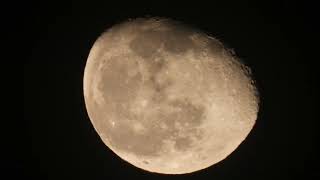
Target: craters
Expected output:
[215,47]
[163,126]
[145,162]
[139,128]
[138,106]
[175,39]
[180,123]
[116,83]
[189,114]
[136,138]
[156,65]
[161,84]
[134,71]
[113,123]
[147,43]
[178,41]
[182,143]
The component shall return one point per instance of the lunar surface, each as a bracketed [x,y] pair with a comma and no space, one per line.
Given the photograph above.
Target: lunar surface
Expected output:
[168,98]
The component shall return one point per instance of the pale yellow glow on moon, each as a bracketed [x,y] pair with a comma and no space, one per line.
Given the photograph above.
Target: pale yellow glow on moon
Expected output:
[167,98]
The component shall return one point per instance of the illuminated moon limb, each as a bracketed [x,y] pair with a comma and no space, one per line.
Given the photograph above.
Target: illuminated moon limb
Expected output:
[167,98]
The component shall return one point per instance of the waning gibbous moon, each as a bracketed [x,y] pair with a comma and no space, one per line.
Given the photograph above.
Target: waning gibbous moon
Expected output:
[166,97]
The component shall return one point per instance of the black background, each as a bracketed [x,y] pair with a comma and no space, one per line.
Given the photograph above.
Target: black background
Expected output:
[277,40]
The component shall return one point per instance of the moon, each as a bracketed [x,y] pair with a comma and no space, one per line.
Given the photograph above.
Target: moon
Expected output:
[166,97]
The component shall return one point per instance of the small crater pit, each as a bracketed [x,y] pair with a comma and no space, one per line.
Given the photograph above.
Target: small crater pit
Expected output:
[145,162]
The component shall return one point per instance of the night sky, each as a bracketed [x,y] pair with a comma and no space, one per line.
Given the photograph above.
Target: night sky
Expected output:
[277,40]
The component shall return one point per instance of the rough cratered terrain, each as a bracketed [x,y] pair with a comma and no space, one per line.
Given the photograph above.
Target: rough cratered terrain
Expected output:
[167,98]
